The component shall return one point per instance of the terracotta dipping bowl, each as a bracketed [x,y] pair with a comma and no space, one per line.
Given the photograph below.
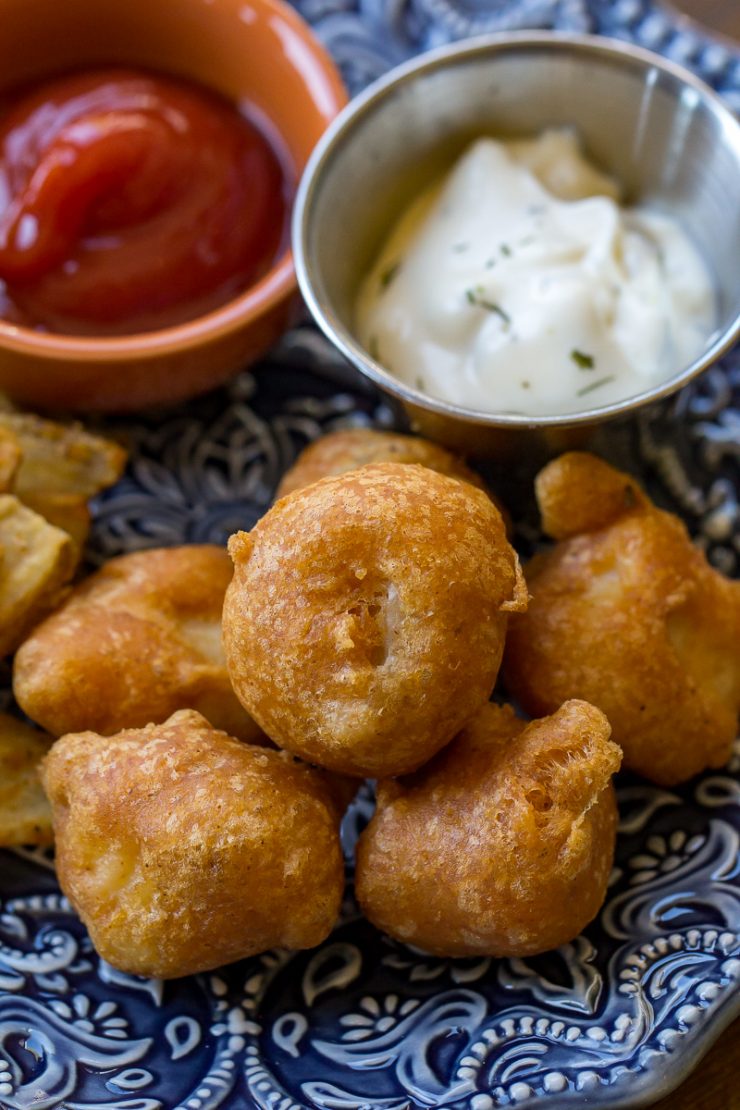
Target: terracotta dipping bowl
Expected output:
[258,50]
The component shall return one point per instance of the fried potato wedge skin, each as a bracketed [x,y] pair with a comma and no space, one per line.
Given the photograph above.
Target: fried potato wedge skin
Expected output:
[183,849]
[365,621]
[37,561]
[56,468]
[67,511]
[10,459]
[62,458]
[134,642]
[627,614]
[500,846]
[25,814]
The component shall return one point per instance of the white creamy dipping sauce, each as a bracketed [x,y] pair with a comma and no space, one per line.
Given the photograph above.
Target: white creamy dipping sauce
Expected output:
[518,284]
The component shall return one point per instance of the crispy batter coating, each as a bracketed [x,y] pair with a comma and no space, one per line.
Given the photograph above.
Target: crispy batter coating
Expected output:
[503,844]
[183,849]
[339,452]
[628,614]
[137,640]
[25,814]
[365,622]
[37,561]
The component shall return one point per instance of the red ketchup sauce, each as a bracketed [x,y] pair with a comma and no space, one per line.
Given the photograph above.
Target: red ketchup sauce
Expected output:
[130,202]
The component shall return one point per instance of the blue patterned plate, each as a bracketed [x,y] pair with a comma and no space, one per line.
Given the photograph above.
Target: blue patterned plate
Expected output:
[618,1017]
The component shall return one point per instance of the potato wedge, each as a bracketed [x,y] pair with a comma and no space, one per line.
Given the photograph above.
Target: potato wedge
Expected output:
[10,458]
[61,458]
[56,468]
[25,814]
[67,511]
[36,562]
[61,466]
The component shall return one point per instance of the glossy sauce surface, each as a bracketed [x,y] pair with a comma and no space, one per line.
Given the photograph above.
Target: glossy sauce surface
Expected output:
[131,201]
[519,284]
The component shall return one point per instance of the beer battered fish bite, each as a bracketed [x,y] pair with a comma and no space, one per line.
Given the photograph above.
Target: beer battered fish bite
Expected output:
[365,622]
[183,849]
[500,846]
[136,641]
[628,614]
[338,452]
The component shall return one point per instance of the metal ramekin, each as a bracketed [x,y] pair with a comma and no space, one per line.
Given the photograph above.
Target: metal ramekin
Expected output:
[659,130]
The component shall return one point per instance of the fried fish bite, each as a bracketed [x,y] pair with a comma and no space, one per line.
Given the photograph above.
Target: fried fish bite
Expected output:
[134,642]
[503,844]
[628,614]
[25,814]
[338,452]
[182,848]
[365,622]
[37,561]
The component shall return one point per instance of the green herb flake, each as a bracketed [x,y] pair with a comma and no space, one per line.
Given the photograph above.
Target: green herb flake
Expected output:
[419,382]
[595,385]
[389,274]
[491,307]
[490,263]
[526,385]
[476,297]
[582,361]
[459,248]
[505,250]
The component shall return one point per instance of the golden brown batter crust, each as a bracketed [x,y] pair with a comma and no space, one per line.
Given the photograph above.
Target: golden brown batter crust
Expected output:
[338,452]
[183,849]
[136,641]
[365,622]
[503,844]
[627,614]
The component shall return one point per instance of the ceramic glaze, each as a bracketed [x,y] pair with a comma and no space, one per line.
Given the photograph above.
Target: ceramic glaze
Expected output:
[620,1014]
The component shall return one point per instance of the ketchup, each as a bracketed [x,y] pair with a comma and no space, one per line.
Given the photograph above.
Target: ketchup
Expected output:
[131,201]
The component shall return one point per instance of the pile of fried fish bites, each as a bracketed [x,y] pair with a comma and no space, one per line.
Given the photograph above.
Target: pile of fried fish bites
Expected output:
[216,711]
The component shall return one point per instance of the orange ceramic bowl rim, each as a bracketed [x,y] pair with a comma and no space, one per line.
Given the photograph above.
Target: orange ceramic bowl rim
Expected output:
[274,287]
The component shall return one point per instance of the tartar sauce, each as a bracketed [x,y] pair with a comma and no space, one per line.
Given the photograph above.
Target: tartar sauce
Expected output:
[518,284]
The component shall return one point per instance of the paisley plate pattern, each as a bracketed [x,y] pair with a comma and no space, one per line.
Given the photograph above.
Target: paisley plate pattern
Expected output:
[620,1015]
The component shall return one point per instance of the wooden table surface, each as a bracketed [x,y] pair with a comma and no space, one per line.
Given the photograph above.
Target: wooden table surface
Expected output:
[719,15]
[715,1083]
